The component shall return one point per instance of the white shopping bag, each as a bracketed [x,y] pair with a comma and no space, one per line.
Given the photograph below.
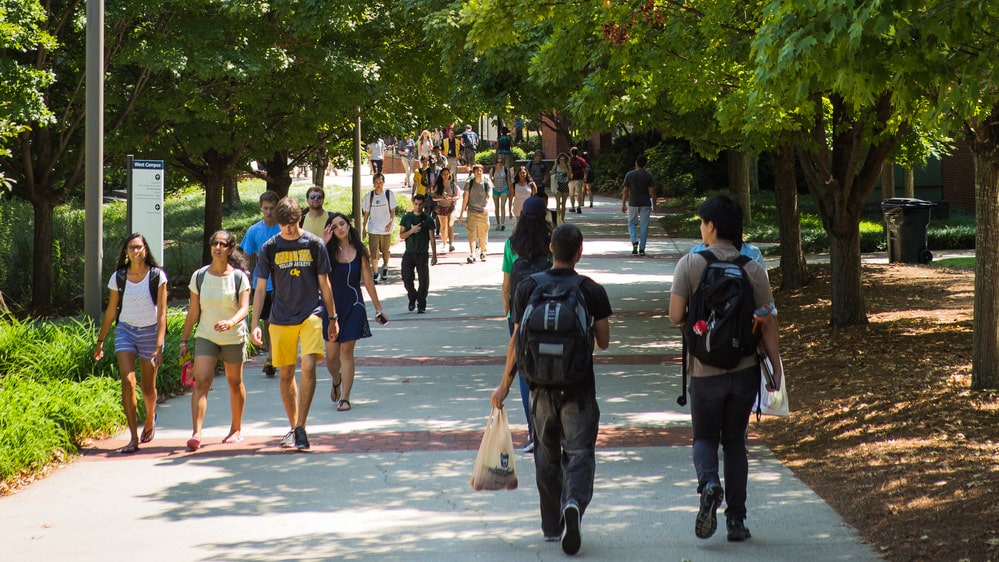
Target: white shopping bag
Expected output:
[771,403]
[494,465]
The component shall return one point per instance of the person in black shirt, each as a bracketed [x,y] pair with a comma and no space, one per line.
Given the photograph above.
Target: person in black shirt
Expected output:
[565,418]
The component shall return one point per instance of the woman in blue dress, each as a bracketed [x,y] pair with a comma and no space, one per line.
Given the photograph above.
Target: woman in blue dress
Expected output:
[351,267]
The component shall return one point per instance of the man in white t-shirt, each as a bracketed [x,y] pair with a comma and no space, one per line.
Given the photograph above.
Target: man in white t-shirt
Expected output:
[378,208]
[377,152]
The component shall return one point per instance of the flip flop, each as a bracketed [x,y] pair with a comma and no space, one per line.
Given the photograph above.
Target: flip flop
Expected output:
[335,393]
[149,434]
[129,449]
[193,444]
[233,439]
[341,408]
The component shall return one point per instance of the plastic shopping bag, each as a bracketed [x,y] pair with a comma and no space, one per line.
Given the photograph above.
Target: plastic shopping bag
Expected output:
[771,403]
[494,467]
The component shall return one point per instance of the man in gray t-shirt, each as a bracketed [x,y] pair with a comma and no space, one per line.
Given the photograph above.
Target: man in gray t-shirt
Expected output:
[299,266]
[636,200]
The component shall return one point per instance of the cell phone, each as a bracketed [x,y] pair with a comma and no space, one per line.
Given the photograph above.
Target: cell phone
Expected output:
[380,318]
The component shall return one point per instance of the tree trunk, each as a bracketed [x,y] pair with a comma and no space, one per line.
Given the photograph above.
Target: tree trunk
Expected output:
[230,191]
[985,334]
[738,182]
[841,171]
[910,183]
[41,269]
[214,186]
[794,270]
[754,173]
[888,180]
[279,173]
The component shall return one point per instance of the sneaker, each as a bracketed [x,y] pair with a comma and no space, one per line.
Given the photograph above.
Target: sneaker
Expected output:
[269,369]
[375,276]
[384,274]
[301,439]
[641,252]
[579,210]
[552,538]
[707,520]
[450,248]
[482,256]
[570,535]
[470,259]
[289,440]
[529,448]
[634,252]
[412,306]
[502,227]
[737,531]
[421,310]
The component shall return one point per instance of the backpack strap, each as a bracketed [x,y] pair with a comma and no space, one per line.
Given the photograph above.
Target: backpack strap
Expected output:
[199,278]
[121,279]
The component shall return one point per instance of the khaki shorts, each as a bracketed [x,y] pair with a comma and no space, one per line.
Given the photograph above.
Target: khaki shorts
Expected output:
[378,245]
[575,188]
[285,339]
[477,225]
[233,353]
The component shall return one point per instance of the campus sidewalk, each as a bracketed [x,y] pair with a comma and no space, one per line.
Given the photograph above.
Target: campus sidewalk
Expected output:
[389,480]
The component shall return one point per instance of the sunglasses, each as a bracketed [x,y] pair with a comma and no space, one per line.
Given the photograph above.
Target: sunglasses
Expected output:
[220,244]
[137,247]
[315,196]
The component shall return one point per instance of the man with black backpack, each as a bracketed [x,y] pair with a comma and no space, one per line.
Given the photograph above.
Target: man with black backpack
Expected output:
[558,317]
[722,300]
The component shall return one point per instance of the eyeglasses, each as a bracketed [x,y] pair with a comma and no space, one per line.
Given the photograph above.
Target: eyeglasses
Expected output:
[136,247]
[315,196]
[220,243]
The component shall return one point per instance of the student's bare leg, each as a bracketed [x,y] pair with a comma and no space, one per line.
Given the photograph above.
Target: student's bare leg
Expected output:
[289,393]
[126,367]
[237,400]
[308,389]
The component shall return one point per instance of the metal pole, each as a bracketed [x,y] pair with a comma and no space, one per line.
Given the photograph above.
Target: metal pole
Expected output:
[358,216]
[94,212]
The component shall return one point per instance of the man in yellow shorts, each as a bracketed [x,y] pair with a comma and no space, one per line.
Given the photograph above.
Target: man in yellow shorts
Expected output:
[298,265]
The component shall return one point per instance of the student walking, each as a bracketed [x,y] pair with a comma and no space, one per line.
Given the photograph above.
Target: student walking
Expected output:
[445,196]
[220,301]
[299,265]
[350,268]
[137,303]
[475,200]
[378,209]
[721,398]
[258,233]
[566,418]
[417,229]
[636,200]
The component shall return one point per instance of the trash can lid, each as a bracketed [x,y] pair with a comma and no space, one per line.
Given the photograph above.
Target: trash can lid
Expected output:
[907,202]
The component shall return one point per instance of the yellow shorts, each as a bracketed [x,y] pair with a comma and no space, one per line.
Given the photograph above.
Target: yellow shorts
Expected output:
[284,341]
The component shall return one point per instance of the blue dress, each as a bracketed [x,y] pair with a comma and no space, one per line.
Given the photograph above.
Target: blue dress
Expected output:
[352,316]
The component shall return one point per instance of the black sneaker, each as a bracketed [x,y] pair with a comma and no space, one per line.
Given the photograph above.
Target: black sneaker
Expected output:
[641,252]
[570,535]
[634,249]
[737,531]
[707,520]
[482,256]
[289,440]
[412,306]
[301,439]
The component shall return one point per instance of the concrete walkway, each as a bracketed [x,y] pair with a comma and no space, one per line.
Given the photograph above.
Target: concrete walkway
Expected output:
[389,480]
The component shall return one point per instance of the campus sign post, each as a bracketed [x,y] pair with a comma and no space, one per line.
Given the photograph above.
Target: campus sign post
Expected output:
[145,202]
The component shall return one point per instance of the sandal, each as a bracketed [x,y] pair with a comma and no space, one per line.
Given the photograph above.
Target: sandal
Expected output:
[335,392]
[344,406]
[129,449]
[149,434]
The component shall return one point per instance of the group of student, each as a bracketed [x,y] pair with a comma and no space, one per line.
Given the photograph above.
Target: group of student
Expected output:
[307,273]
[307,287]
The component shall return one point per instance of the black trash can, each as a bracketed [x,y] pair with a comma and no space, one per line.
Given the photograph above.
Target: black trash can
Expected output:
[905,224]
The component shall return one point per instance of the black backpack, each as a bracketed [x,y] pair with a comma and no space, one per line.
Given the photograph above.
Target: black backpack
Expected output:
[523,268]
[555,338]
[719,325]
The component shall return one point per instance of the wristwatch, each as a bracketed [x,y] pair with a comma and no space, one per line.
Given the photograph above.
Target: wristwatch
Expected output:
[334,317]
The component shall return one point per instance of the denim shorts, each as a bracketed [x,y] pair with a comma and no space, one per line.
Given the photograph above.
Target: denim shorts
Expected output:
[134,339]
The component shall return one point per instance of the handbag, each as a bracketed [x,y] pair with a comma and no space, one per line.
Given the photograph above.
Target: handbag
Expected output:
[769,403]
[494,467]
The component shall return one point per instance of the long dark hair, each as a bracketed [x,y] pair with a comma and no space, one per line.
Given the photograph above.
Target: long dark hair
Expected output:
[237,258]
[439,187]
[353,238]
[531,236]
[123,254]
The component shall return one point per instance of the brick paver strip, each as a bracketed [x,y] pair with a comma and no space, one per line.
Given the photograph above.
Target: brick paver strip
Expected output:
[379,442]
[472,360]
